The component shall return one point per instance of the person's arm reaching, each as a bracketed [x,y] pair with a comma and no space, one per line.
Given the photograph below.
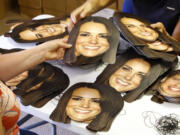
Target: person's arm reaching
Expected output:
[88,8]
[176,32]
[160,27]
[15,63]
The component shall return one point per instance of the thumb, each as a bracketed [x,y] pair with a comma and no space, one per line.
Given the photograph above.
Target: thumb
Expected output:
[70,26]
[62,43]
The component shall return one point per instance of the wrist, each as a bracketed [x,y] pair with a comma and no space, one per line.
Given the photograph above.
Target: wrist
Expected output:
[38,54]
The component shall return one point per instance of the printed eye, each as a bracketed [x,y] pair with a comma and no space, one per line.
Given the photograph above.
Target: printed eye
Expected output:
[96,100]
[142,75]
[130,26]
[84,34]
[39,35]
[103,36]
[76,98]
[126,68]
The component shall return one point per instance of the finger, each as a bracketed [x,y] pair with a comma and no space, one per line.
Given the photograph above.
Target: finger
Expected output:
[60,53]
[65,45]
[70,26]
[12,84]
[75,15]
[65,38]
[158,25]
[60,43]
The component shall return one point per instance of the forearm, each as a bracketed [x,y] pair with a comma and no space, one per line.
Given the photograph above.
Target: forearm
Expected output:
[15,63]
[101,3]
[176,32]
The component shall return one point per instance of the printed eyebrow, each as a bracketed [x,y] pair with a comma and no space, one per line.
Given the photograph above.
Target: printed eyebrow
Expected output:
[104,34]
[126,66]
[77,96]
[91,32]
[96,98]
[142,73]
[84,97]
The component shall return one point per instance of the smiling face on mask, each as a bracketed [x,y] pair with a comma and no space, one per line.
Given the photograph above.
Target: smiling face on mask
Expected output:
[130,75]
[84,104]
[170,86]
[139,29]
[42,31]
[92,40]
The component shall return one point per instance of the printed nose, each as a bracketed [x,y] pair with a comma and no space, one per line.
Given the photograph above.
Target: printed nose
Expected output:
[85,104]
[93,40]
[129,76]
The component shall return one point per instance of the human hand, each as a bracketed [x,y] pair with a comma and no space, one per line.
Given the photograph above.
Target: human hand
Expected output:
[88,8]
[54,49]
[79,13]
[84,10]
[160,27]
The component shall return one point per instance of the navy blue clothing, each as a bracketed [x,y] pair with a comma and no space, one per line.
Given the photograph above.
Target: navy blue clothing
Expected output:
[165,11]
[26,132]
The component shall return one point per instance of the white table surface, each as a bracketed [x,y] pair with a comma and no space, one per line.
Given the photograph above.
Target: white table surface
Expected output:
[130,120]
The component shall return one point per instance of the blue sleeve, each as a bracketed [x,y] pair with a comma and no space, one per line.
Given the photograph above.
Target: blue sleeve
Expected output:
[127,6]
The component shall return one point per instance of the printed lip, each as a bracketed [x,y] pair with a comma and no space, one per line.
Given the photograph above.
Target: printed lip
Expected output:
[174,88]
[81,111]
[145,34]
[121,82]
[157,43]
[50,30]
[90,47]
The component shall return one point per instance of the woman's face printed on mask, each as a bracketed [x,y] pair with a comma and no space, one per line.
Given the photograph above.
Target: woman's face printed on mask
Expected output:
[84,104]
[44,31]
[92,40]
[130,75]
[170,86]
[160,46]
[139,29]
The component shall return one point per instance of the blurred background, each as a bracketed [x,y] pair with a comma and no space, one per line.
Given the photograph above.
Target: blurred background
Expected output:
[22,9]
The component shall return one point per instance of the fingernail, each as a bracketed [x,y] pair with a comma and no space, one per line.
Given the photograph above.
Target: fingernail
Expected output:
[73,19]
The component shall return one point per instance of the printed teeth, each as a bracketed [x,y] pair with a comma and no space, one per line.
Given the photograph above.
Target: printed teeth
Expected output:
[174,89]
[145,34]
[122,82]
[82,111]
[91,47]
[51,30]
